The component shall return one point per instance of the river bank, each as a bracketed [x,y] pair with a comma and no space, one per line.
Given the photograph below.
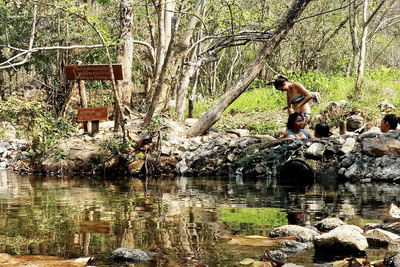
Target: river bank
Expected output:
[370,156]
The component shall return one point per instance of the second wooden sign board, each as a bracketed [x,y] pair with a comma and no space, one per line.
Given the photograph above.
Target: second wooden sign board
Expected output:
[93,114]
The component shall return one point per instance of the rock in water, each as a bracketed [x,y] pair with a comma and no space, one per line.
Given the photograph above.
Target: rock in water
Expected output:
[130,255]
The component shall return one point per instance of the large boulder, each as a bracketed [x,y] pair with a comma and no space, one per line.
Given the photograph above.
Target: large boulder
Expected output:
[381,145]
[393,227]
[345,240]
[379,237]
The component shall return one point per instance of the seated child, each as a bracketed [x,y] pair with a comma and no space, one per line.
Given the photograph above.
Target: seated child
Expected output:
[322,130]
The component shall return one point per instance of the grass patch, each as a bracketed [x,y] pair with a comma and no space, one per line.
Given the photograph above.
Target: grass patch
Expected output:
[361,222]
[255,216]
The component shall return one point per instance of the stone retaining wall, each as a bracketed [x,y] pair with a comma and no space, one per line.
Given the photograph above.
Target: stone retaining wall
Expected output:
[366,157]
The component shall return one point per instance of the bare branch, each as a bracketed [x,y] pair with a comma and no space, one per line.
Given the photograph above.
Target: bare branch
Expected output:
[150,49]
[380,53]
[192,14]
[27,53]
[31,38]
[329,11]
[374,12]
[382,25]
[240,38]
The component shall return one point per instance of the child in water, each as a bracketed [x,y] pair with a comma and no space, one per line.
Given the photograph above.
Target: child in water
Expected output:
[322,129]
[389,122]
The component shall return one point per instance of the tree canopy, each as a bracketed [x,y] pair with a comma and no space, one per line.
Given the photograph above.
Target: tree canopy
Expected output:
[182,50]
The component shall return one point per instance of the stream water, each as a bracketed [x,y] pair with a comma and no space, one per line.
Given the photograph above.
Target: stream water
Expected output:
[184,220]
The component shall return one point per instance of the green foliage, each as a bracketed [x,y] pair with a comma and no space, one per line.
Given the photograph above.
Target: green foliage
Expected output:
[203,106]
[116,147]
[99,94]
[255,216]
[114,151]
[270,127]
[103,1]
[378,85]
[258,97]
[155,123]
[312,80]
[58,153]
[35,120]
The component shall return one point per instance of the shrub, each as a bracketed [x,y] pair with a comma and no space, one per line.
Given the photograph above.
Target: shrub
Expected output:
[35,121]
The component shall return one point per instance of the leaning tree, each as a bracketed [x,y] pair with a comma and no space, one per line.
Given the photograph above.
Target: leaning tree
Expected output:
[252,71]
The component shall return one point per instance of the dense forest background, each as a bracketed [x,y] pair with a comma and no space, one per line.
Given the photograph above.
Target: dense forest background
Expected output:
[180,57]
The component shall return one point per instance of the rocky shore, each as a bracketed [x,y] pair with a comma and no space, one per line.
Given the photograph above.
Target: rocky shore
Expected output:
[371,156]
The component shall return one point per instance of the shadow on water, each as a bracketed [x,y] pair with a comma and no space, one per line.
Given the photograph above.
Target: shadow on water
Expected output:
[186,221]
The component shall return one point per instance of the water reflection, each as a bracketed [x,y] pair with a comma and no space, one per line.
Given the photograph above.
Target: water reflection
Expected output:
[179,218]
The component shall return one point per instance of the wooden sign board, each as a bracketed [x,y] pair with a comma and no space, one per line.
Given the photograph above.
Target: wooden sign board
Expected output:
[92,72]
[96,227]
[93,114]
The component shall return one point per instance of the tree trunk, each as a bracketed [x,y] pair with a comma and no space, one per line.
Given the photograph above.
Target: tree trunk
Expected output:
[168,16]
[165,14]
[160,78]
[82,94]
[193,95]
[182,90]
[125,49]
[354,38]
[251,72]
[83,103]
[182,50]
[363,48]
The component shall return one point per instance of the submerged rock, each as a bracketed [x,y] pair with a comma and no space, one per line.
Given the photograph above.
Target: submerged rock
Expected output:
[293,246]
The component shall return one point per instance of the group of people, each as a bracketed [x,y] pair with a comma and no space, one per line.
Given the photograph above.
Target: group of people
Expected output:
[295,128]
[297,97]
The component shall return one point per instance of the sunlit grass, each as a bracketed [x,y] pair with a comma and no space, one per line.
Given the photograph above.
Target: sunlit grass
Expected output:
[362,222]
[379,85]
[256,216]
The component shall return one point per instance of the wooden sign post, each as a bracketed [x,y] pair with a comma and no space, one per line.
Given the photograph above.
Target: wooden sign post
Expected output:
[91,72]
[95,115]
